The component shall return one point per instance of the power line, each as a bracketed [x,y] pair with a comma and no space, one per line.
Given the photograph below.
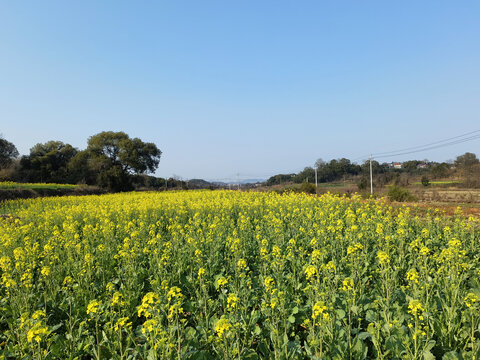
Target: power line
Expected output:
[430,146]
[426,145]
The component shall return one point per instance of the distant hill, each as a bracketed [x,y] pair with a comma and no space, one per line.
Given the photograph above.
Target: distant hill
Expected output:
[252,181]
[200,184]
[242,182]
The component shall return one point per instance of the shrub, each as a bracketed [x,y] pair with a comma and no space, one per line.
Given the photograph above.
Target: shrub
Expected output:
[396,193]
[425,181]
[308,188]
[362,184]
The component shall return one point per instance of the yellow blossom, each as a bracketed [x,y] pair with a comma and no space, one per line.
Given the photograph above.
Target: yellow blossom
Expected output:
[415,308]
[232,301]
[93,307]
[222,282]
[412,275]
[37,333]
[383,258]
[241,264]
[201,272]
[319,309]
[348,284]
[222,327]
[45,271]
[117,299]
[471,299]
[310,272]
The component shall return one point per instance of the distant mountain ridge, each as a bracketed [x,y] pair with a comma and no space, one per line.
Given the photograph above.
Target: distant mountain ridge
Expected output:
[242,182]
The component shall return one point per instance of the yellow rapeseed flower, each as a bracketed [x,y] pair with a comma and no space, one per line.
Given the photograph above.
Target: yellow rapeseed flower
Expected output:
[412,275]
[241,264]
[415,308]
[222,327]
[310,272]
[201,272]
[232,301]
[471,299]
[348,284]
[93,307]
[383,258]
[319,309]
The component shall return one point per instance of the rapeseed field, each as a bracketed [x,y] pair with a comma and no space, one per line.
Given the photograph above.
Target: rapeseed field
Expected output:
[236,275]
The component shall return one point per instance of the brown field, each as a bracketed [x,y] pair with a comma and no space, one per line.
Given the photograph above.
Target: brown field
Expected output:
[449,195]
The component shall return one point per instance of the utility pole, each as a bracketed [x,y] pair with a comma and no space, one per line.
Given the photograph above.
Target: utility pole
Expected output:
[238,181]
[166,180]
[371,176]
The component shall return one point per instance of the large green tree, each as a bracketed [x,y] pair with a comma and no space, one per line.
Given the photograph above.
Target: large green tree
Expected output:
[48,162]
[115,157]
[8,152]
[80,170]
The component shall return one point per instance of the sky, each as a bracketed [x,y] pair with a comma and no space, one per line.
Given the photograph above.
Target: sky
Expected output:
[243,89]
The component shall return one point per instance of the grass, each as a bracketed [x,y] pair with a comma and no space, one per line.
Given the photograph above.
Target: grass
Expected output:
[9,185]
[331,185]
[445,182]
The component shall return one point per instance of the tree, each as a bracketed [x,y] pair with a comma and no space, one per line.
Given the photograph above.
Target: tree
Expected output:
[377,168]
[306,175]
[345,167]
[336,169]
[8,152]
[439,170]
[466,160]
[116,157]
[279,179]
[80,171]
[320,163]
[411,166]
[48,162]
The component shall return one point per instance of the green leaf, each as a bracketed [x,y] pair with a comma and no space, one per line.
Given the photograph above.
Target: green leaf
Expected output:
[250,355]
[427,355]
[190,333]
[359,349]
[295,310]
[151,355]
[393,345]
[430,345]
[340,313]
[199,355]
[451,355]
[371,316]
[291,319]
[263,348]
[363,335]
[56,327]
[307,349]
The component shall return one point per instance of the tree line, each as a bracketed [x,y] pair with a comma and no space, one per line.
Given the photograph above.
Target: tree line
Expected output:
[344,169]
[112,160]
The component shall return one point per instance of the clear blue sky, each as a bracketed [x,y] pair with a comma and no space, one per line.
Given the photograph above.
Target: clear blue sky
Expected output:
[249,87]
